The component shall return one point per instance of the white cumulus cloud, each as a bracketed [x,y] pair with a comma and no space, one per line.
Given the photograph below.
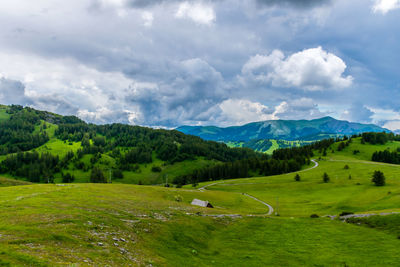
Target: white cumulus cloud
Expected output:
[311,69]
[198,12]
[147,18]
[384,6]
[242,111]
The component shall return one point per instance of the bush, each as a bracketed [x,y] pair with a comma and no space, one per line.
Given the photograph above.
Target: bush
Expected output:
[378,178]
[325,178]
[118,174]
[297,178]
[156,169]
[344,213]
[67,178]
[346,167]
[178,198]
[314,216]
[97,176]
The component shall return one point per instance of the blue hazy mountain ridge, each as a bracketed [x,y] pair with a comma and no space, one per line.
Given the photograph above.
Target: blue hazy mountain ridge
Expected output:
[290,130]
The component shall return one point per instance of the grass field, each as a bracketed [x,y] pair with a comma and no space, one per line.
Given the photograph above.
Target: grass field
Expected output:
[3,114]
[267,146]
[119,225]
[84,224]
[311,195]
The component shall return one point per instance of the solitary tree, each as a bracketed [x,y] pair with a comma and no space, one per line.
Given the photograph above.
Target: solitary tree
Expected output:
[297,178]
[97,176]
[346,167]
[325,177]
[378,178]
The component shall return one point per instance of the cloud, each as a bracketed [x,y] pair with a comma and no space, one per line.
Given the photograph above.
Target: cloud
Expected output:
[294,3]
[242,111]
[392,125]
[298,109]
[358,113]
[311,69]
[198,12]
[147,18]
[384,6]
[188,97]
[60,85]
[13,92]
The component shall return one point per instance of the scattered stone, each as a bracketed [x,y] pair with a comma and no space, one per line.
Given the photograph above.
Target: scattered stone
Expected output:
[115,239]
[122,239]
[223,215]
[100,244]
[122,250]
[116,244]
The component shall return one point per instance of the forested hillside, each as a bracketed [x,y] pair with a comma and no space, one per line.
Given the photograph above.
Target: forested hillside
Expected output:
[43,146]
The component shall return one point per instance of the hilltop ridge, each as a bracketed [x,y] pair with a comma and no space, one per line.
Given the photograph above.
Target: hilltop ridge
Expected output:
[289,130]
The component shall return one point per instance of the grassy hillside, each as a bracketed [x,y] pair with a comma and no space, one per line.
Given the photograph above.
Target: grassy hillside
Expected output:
[3,114]
[5,182]
[268,146]
[312,195]
[39,146]
[119,225]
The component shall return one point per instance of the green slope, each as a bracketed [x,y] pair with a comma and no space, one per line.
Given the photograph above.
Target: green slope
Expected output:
[122,225]
[267,145]
[136,151]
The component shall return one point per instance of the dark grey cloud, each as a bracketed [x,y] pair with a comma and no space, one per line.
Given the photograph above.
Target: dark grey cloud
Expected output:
[13,92]
[187,98]
[359,113]
[294,3]
[147,3]
[74,64]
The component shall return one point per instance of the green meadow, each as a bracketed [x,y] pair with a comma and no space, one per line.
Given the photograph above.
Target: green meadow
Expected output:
[116,224]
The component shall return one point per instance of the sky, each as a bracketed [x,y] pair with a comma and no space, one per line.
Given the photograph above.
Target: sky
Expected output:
[168,63]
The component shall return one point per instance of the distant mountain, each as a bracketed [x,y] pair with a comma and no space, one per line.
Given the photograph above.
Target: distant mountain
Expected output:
[290,130]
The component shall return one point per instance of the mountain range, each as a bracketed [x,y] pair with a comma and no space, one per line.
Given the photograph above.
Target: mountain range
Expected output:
[289,130]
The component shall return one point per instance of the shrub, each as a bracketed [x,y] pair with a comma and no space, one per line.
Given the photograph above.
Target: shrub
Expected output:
[314,216]
[178,198]
[118,174]
[346,167]
[378,178]
[325,178]
[156,169]
[344,213]
[97,176]
[297,177]
[349,176]
[67,178]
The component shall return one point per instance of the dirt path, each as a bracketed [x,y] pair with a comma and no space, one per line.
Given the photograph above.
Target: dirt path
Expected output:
[223,182]
[270,208]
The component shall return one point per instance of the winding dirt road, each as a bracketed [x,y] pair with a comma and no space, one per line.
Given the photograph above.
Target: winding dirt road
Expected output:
[270,208]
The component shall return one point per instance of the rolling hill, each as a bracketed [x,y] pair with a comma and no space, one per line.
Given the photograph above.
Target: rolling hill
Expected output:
[131,225]
[40,146]
[289,130]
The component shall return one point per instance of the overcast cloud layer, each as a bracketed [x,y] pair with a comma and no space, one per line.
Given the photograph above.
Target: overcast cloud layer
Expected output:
[222,62]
